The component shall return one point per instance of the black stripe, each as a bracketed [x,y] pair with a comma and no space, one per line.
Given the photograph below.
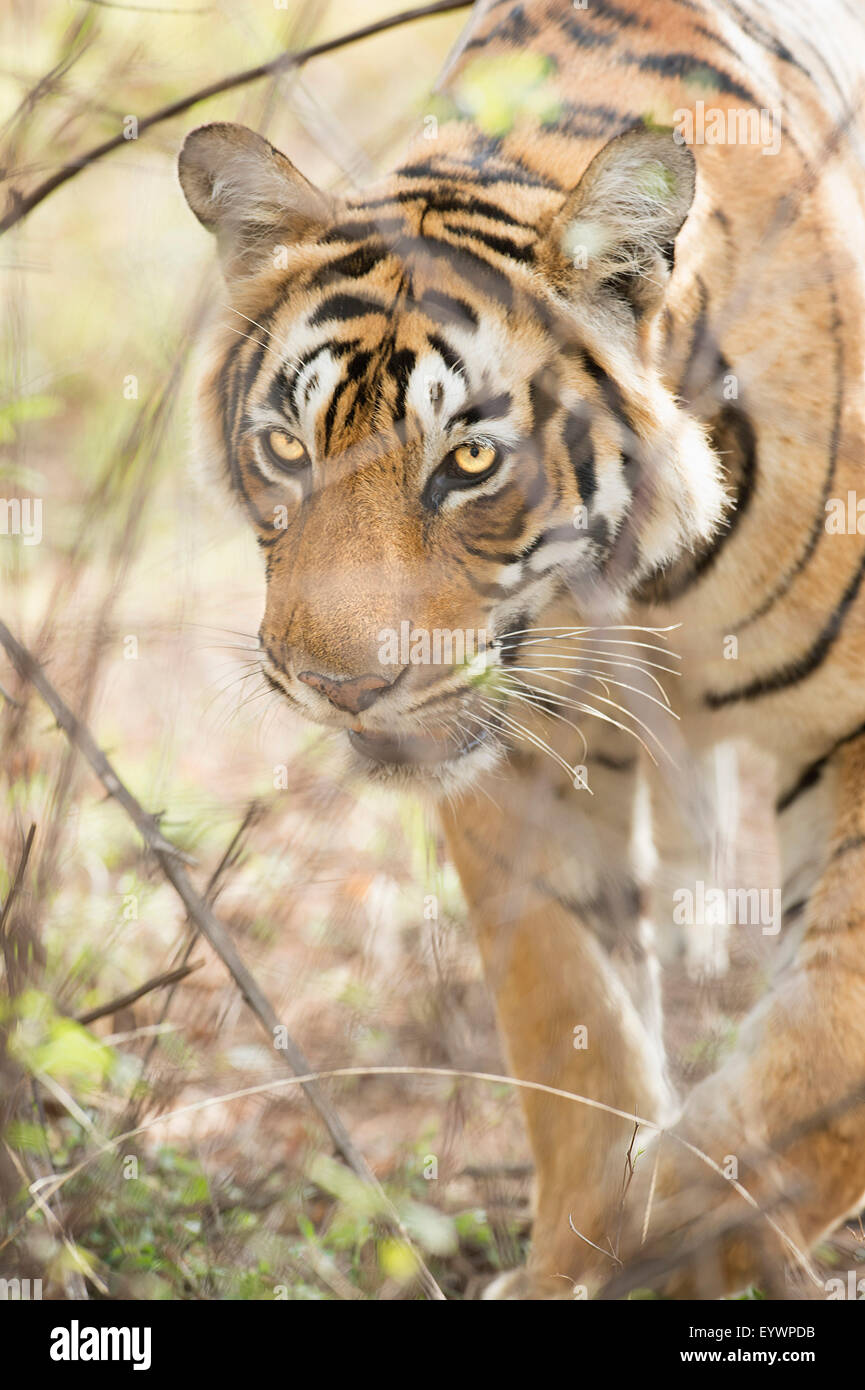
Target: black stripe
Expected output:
[352,266]
[492,408]
[336,349]
[530,489]
[449,199]
[692,70]
[515,528]
[495,557]
[364,230]
[704,355]
[733,438]
[266,542]
[609,389]
[469,569]
[794,910]
[468,265]
[534,545]
[516,27]
[277,392]
[543,400]
[587,121]
[228,411]
[400,366]
[806,665]
[853,842]
[509,644]
[299,365]
[814,771]
[353,374]
[480,176]
[502,245]
[818,526]
[479,206]
[330,416]
[612,764]
[750,25]
[452,360]
[578,32]
[446,310]
[626,18]
[344,306]
[578,442]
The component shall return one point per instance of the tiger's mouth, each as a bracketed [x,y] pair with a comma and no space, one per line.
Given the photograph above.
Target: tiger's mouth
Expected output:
[414,750]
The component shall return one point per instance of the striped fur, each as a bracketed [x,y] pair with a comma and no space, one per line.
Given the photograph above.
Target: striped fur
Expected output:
[665,350]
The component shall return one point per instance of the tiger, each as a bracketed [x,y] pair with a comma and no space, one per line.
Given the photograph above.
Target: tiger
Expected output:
[582,379]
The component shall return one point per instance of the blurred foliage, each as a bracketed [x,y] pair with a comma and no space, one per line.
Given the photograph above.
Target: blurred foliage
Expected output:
[497,92]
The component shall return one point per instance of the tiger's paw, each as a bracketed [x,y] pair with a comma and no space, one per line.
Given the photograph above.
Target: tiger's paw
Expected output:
[688,1233]
[527,1286]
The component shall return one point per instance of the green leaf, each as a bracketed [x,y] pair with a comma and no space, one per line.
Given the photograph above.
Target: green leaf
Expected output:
[22,411]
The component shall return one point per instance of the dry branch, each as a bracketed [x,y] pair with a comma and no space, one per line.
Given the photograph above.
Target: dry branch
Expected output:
[16,882]
[168,977]
[21,205]
[200,912]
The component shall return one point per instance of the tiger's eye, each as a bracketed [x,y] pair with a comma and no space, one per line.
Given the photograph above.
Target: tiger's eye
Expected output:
[285,446]
[474,458]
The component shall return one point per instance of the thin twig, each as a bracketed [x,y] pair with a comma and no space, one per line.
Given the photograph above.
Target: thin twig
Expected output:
[168,977]
[21,206]
[229,857]
[627,1179]
[16,882]
[608,1254]
[212,930]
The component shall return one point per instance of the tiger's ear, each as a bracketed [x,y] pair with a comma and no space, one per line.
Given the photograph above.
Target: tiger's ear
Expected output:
[249,194]
[616,232]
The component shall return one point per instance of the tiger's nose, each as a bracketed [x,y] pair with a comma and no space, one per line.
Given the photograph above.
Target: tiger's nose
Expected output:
[355,693]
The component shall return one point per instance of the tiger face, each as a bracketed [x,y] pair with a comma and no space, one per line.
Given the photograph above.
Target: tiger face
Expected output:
[441,408]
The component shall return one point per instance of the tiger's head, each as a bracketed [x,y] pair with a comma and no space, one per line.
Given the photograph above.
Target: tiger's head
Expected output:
[441,406]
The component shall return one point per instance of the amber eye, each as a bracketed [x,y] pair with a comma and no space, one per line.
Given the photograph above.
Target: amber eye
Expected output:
[284,448]
[474,458]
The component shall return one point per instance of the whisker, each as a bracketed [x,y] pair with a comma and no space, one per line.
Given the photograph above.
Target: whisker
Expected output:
[532,738]
[257,341]
[240,315]
[551,672]
[538,705]
[593,654]
[596,627]
[213,627]
[585,671]
[581,638]
[600,714]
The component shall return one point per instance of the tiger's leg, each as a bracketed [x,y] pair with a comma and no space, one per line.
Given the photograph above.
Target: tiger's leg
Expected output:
[694,812]
[568,958]
[786,1113]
